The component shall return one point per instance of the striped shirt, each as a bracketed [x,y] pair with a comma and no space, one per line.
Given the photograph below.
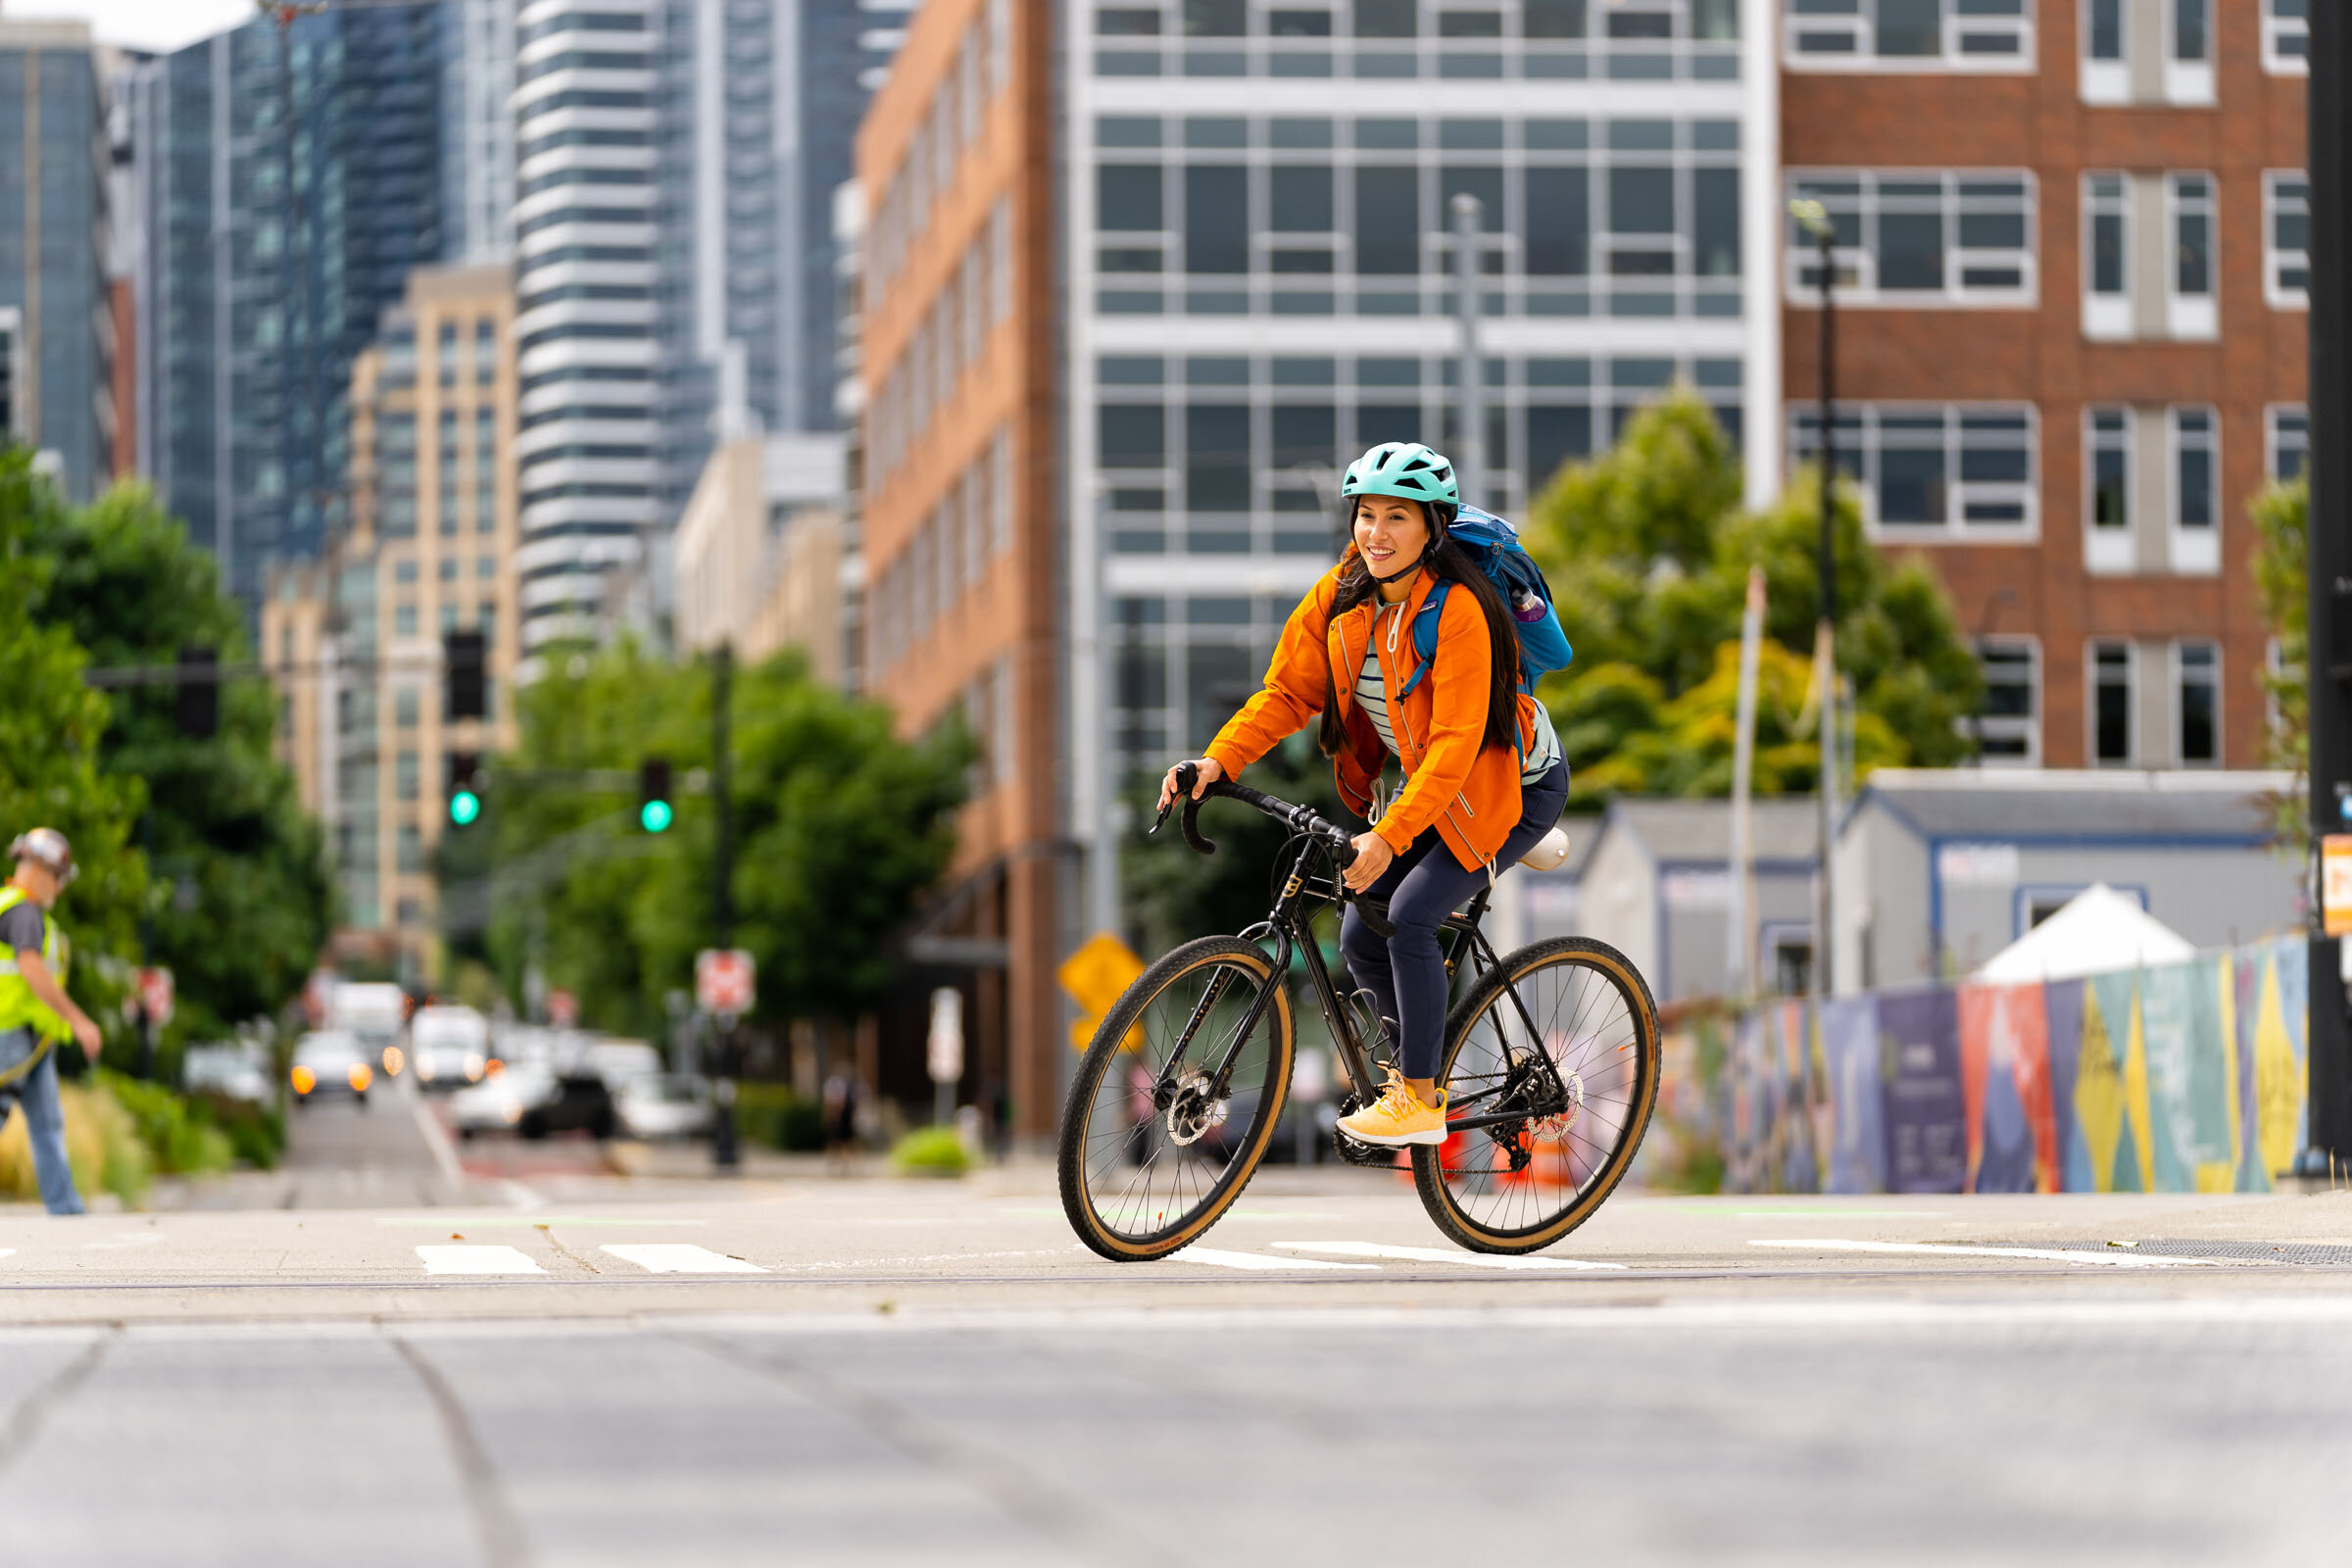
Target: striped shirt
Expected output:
[1543,752]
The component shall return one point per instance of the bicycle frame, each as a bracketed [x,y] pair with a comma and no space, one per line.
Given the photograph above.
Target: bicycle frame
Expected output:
[1287,926]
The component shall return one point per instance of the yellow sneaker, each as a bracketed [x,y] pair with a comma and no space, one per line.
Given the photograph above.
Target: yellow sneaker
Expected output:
[1398,1117]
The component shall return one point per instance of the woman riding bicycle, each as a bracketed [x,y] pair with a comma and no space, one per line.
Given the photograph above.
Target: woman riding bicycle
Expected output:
[1483,776]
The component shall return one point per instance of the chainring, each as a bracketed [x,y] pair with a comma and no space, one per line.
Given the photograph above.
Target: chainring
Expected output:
[1355,1152]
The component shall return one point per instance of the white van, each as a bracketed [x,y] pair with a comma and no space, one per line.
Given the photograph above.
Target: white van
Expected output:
[449,1047]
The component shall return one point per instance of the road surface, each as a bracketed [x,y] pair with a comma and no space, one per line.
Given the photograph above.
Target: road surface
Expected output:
[883,1371]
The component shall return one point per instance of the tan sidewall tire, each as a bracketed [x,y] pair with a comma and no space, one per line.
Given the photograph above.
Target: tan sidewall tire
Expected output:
[1078,1109]
[1612,965]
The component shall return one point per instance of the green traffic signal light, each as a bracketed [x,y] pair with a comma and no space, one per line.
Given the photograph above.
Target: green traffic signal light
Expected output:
[655,815]
[464,806]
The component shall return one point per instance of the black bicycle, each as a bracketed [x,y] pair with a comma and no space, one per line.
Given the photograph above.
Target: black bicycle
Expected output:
[1550,1063]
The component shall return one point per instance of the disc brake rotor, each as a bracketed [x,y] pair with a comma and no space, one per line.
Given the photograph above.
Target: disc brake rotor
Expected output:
[1192,1114]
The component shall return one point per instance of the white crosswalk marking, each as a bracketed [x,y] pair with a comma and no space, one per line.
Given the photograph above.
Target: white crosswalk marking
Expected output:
[476,1260]
[2055,1254]
[1224,1259]
[680,1257]
[1437,1255]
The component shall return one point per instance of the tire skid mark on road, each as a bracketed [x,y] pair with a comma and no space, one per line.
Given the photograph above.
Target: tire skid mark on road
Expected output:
[25,1428]
[1435,1254]
[1089,1532]
[1218,1258]
[2052,1255]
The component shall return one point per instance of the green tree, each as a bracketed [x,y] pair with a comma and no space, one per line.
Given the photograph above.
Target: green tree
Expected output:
[51,737]
[240,901]
[1648,553]
[839,827]
[2282,515]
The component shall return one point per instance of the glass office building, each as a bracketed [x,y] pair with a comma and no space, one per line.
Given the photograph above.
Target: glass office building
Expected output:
[676,164]
[1261,287]
[253,296]
[56,329]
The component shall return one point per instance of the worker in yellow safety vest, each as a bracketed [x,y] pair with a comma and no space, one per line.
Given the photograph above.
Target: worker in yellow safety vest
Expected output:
[35,1013]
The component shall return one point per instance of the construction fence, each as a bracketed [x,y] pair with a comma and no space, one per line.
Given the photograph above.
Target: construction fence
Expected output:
[2188,1077]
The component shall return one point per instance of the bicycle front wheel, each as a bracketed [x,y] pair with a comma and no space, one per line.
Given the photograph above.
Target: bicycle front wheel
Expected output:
[1160,1134]
[1552,1058]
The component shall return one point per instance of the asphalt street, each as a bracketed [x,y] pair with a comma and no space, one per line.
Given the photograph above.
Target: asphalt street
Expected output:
[573,1368]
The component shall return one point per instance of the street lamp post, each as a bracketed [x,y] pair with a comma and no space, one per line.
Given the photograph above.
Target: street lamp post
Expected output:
[1470,455]
[1814,218]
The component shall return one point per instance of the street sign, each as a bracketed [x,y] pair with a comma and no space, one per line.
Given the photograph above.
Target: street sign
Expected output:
[1095,976]
[2335,884]
[563,1008]
[725,980]
[1099,971]
[156,995]
[943,1051]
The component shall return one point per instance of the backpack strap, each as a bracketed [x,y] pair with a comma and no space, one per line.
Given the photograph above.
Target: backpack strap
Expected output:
[1425,632]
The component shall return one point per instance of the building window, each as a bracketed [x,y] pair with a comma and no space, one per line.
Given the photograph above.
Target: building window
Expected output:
[404,621]
[1918,237]
[411,847]
[2189,51]
[2286,239]
[2111,704]
[1967,471]
[405,703]
[2197,687]
[2286,444]
[2196,471]
[1909,35]
[2009,726]
[2189,308]
[404,776]
[2106,256]
[2107,486]
[2106,70]
[2287,36]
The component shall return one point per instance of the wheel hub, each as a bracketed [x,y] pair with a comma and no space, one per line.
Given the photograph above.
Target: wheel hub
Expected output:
[1192,1113]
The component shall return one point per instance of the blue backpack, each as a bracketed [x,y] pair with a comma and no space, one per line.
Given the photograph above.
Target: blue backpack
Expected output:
[1493,544]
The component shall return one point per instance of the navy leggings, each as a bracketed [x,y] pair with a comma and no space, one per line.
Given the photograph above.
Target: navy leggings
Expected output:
[1406,973]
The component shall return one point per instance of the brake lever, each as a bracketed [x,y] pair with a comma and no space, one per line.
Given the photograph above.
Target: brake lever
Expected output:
[1185,775]
[1375,919]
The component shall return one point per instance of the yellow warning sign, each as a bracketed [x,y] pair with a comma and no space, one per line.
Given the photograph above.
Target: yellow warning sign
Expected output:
[1095,976]
[2335,884]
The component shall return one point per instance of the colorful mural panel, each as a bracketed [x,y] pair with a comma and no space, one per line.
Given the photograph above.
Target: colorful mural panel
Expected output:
[2185,1077]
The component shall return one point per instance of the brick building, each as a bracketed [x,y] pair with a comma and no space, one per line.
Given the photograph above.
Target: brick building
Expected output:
[960,549]
[2071,272]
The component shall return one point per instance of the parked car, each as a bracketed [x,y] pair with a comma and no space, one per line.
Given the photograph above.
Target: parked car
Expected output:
[449,1046]
[581,1103]
[498,1103]
[663,1105]
[330,1063]
[229,1070]
[617,1062]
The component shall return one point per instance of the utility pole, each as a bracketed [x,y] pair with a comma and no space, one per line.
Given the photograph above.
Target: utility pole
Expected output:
[1470,452]
[1738,978]
[2327,679]
[1814,218]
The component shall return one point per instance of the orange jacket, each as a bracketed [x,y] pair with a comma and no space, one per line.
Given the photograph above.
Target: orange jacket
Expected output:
[1467,789]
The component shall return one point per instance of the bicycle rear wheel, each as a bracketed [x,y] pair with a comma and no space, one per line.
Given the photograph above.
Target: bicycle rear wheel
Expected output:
[1150,1152]
[1561,1034]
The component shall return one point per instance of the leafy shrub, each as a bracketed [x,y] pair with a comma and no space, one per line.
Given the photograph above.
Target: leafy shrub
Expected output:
[257,1134]
[931,1152]
[179,1134]
[779,1117]
[102,1145]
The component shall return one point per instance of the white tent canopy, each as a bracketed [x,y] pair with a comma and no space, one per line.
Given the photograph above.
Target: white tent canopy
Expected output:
[2099,931]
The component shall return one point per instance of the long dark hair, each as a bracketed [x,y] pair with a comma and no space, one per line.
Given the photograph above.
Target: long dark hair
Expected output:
[1445,559]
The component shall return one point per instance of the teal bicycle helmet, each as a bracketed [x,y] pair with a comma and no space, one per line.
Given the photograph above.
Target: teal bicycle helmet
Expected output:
[1406,468]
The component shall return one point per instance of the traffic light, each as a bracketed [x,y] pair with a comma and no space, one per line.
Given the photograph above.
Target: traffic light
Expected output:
[464,787]
[197,707]
[654,810]
[466,691]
